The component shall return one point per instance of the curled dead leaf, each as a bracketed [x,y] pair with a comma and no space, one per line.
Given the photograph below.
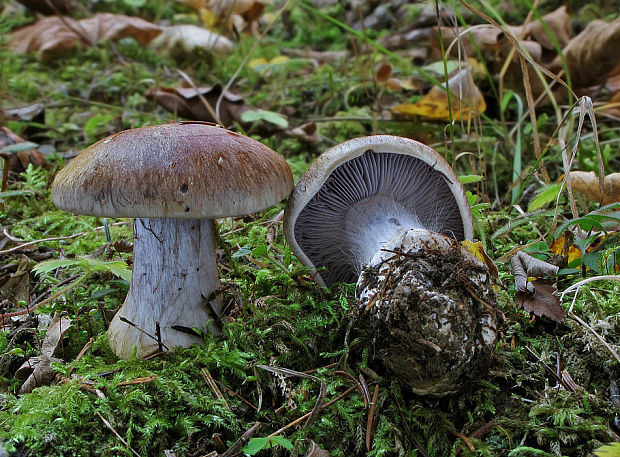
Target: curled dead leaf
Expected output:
[525,266]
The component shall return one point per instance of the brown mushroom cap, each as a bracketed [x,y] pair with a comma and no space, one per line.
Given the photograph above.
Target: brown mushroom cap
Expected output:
[177,170]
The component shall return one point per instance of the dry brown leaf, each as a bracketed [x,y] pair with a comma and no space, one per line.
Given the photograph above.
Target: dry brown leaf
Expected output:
[558,22]
[185,102]
[41,375]
[55,34]
[54,335]
[383,72]
[38,369]
[592,55]
[587,183]
[466,101]
[485,38]
[544,301]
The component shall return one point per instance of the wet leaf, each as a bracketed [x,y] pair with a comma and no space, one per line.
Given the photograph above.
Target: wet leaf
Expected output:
[466,101]
[544,301]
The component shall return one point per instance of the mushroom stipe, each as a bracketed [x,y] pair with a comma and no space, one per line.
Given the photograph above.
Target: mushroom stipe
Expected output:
[174,179]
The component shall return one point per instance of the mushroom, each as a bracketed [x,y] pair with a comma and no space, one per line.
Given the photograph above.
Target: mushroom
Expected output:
[174,179]
[389,213]
[363,192]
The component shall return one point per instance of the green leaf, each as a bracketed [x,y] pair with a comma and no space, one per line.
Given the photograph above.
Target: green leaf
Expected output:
[255,445]
[466,179]
[50,265]
[281,441]
[546,195]
[263,115]
[116,267]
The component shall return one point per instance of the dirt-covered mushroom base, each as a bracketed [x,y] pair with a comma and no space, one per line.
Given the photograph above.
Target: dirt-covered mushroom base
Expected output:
[429,306]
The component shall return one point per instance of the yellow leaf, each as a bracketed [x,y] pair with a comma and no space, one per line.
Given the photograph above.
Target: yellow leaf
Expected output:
[279,59]
[434,105]
[610,450]
[477,250]
[207,17]
[253,63]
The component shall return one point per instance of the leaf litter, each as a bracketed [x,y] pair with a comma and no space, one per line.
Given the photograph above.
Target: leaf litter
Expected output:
[280,317]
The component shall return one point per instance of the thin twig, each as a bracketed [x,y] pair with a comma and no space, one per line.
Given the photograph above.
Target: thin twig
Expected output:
[47,300]
[68,237]
[107,424]
[207,375]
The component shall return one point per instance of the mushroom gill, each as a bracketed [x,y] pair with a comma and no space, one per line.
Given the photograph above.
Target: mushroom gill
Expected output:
[368,200]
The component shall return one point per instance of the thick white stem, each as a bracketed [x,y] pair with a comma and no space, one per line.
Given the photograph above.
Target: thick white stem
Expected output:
[374,221]
[174,271]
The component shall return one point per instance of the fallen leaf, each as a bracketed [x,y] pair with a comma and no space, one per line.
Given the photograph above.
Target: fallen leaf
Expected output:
[55,34]
[54,335]
[478,251]
[38,369]
[564,247]
[592,55]
[544,301]
[609,450]
[557,23]
[180,41]
[587,183]
[466,100]
[525,266]
[42,374]
[383,72]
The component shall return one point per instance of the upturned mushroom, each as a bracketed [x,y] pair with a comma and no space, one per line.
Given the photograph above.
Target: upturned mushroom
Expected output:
[358,195]
[388,213]
[174,179]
